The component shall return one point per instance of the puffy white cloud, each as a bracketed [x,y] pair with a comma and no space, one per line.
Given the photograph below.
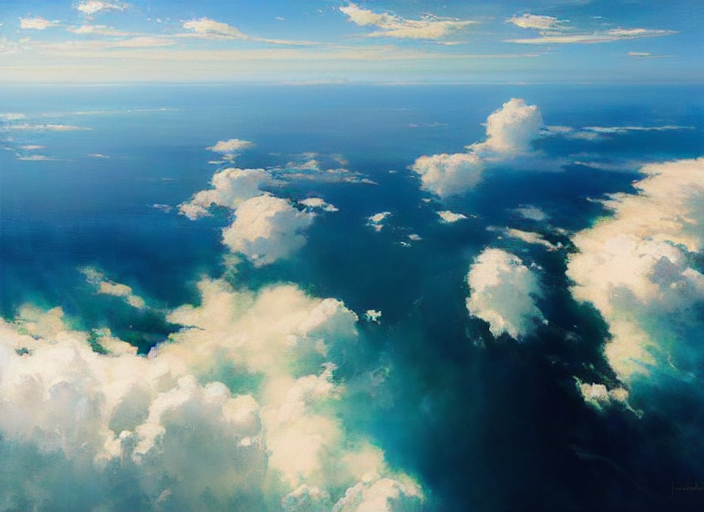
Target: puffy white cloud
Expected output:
[372,315]
[538,22]
[449,174]
[376,221]
[231,147]
[599,36]
[450,217]
[212,29]
[267,229]
[318,203]
[509,132]
[36,23]
[636,269]
[391,25]
[598,396]
[512,128]
[503,292]
[90,7]
[165,425]
[231,187]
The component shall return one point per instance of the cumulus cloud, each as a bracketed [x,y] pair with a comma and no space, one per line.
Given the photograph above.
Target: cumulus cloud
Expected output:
[637,269]
[429,28]
[318,203]
[267,229]
[163,433]
[449,217]
[377,220]
[373,315]
[90,7]
[212,29]
[231,187]
[231,146]
[509,130]
[503,292]
[599,396]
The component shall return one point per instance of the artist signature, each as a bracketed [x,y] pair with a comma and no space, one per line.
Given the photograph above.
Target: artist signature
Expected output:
[679,488]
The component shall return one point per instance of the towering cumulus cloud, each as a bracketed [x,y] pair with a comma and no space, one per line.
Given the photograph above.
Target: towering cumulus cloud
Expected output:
[502,292]
[509,131]
[236,412]
[638,269]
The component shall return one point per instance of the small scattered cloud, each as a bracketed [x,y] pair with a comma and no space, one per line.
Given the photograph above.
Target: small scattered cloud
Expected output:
[525,236]
[106,287]
[31,147]
[231,148]
[377,220]
[26,127]
[35,158]
[91,7]
[316,203]
[531,212]
[98,30]
[391,25]
[373,315]
[594,133]
[211,29]
[503,293]
[450,217]
[36,23]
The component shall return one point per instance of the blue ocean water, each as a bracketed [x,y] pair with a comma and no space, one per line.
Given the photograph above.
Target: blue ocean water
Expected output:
[492,428]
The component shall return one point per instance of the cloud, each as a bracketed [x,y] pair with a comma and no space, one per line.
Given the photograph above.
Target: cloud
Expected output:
[595,133]
[231,187]
[531,212]
[599,396]
[510,131]
[12,116]
[430,28]
[546,23]
[604,36]
[377,220]
[212,29]
[106,287]
[163,433]
[90,7]
[373,315]
[231,147]
[41,127]
[36,23]
[512,128]
[503,292]
[267,229]
[637,269]
[525,236]
[318,203]
[450,217]
[97,30]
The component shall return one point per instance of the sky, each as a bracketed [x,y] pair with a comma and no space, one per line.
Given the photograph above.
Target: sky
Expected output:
[387,41]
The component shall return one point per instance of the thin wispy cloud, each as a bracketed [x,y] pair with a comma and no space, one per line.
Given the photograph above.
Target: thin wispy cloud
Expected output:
[538,22]
[206,28]
[36,23]
[391,25]
[599,36]
[90,7]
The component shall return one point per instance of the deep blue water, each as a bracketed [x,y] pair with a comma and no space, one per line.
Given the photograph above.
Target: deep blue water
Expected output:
[498,428]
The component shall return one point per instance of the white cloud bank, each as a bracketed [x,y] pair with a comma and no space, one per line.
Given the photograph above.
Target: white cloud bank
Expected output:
[636,268]
[117,431]
[509,130]
[503,292]
[390,25]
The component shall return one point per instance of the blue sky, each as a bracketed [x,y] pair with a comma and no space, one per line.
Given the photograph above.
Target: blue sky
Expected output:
[336,41]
